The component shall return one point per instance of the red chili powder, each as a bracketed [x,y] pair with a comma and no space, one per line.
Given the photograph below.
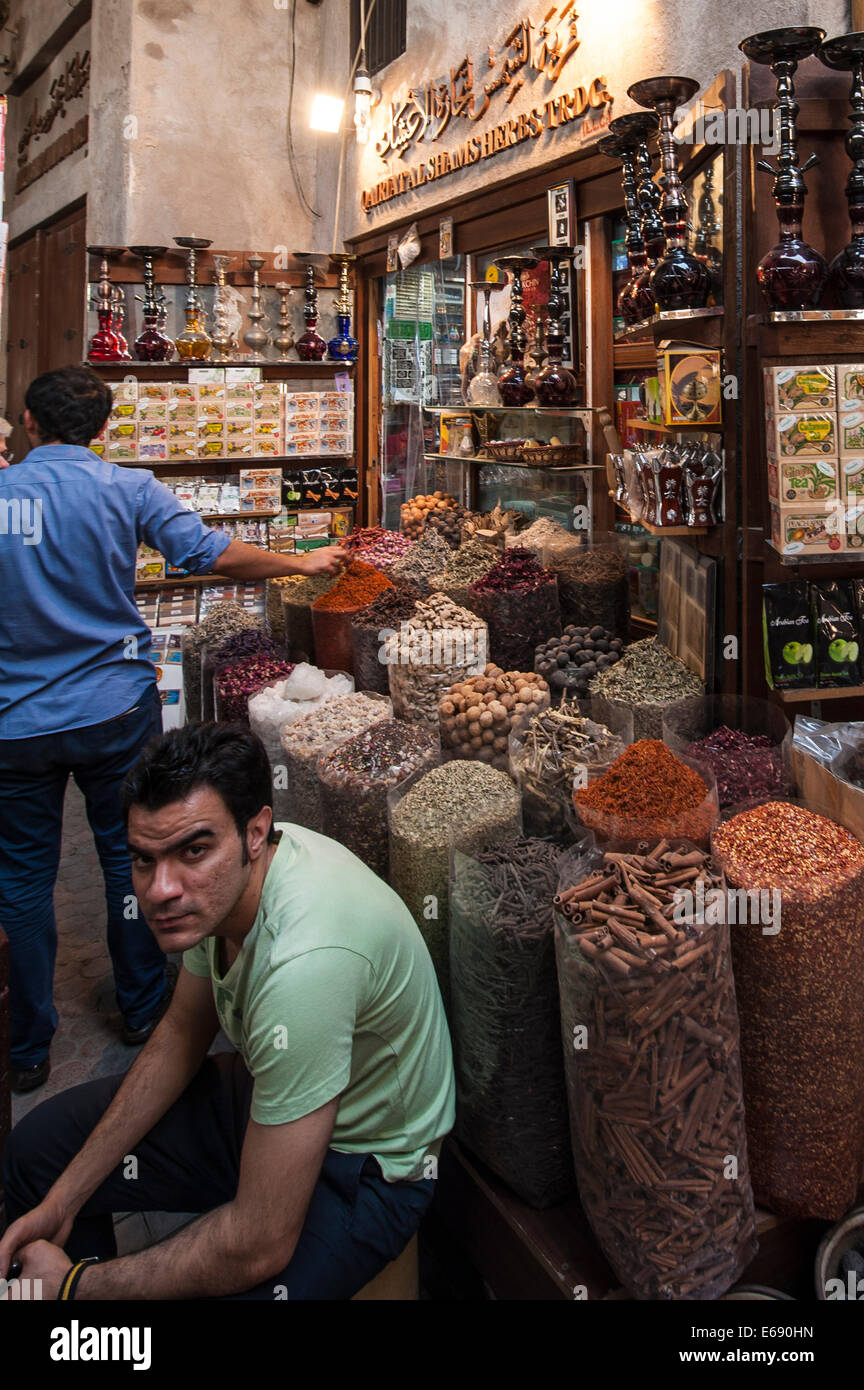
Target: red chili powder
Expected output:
[354,589]
[647,780]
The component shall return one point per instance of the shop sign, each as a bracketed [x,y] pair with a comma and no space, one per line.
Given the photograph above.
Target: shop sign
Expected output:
[64,89]
[531,51]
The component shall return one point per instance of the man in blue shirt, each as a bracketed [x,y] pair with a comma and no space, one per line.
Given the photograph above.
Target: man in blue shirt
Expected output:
[78,689]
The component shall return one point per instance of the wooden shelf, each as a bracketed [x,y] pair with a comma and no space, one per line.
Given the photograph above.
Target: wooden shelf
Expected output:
[238,516]
[506,463]
[187,581]
[703,326]
[238,461]
[287,369]
[825,692]
[634,357]
[664,532]
[800,339]
[673,429]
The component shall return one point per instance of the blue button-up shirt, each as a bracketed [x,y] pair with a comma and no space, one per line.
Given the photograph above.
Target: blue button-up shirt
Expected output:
[74,649]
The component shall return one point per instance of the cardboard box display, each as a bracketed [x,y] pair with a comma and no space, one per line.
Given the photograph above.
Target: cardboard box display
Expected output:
[153,393]
[152,412]
[153,441]
[238,412]
[330,423]
[124,391]
[98,446]
[808,529]
[309,401]
[266,391]
[210,429]
[336,444]
[302,444]
[211,410]
[850,420]
[810,434]
[260,479]
[122,451]
[182,410]
[149,564]
[807,479]
[122,429]
[796,389]
[852,478]
[341,521]
[336,400]
[266,427]
[211,446]
[302,422]
[263,501]
[183,447]
[850,384]
[237,445]
[182,391]
[269,445]
[239,391]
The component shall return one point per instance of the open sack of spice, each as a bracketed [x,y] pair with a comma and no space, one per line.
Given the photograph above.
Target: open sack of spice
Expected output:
[371,627]
[511,1100]
[237,667]
[437,646]
[298,592]
[519,601]
[459,805]
[356,777]
[647,680]
[556,749]
[427,557]
[649,793]
[333,612]
[477,716]
[296,788]
[798,881]
[651,1046]
[272,709]
[224,620]
[747,744]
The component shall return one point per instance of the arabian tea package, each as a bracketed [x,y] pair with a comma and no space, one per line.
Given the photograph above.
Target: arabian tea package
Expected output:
[837,647]
[787,635]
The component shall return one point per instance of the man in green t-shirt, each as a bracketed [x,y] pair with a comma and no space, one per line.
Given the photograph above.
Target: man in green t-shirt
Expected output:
[312,1149]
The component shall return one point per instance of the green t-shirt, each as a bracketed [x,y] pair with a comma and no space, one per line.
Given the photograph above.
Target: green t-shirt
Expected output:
[334,992]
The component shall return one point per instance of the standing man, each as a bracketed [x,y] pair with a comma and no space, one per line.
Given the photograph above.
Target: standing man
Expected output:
[78,689]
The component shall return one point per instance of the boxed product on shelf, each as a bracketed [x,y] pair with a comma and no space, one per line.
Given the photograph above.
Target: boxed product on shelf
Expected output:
[238,391]
[122,429]
[177,607]
[852,478]
[806,434]
[690,383]
[341,521]
[851,428]
[261,501]
[213,391]
[238,444]
[850,384]
[337,400]
[311,522]
[148,606]
[152,412]
[302,444]
[153,441]
[124,391]
[810,528]
[266,391]
[267,445]
[97,446]
[124,410]
[238,411]
[309,401]
[182,411]
[800,388]
[182,391]
[153,393]
[149,564]
[302,422]
[855,523]
[211,411]
[210,429]
[806,479]
[211,447]
[335,444]
[271,428]
[260,479]
[330,421]
[122,451]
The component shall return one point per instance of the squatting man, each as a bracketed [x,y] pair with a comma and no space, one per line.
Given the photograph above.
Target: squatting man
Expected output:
[307,1150]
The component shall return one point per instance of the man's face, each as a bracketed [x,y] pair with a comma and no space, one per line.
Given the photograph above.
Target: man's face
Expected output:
[187,867]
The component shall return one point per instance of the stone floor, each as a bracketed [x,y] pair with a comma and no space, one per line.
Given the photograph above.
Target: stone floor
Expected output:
[87,1043]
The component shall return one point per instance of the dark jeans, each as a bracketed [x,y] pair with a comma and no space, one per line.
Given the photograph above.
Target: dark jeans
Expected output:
[33,777]
[190,1162]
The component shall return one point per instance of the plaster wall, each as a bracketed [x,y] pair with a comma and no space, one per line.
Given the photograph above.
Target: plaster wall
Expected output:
[621,40]
[190,128]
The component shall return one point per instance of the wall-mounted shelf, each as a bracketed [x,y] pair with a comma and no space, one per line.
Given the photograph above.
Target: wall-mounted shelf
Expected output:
[284,369]
[651,427]
[238,461]
[824,692]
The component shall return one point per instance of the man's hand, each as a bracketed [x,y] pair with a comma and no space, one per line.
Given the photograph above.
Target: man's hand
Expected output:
[45,1262]
[48,1222]
[330,559]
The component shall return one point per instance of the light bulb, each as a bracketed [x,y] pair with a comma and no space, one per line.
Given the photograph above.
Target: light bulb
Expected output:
[326,113]
[362,105]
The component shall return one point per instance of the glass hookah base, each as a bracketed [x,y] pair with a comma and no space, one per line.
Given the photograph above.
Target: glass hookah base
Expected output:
[792,276]
[342,349]
[680,281]
[483,390]
[515,390]
[556,386]
[196,349]
[846,277]
[153,346]
[311,347]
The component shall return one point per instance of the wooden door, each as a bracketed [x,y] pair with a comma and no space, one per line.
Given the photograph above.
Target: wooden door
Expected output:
[63,271]
[22,342]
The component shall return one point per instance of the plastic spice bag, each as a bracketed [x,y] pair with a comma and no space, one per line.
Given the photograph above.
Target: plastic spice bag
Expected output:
[306,739]
[226,619]
[651,1046]
[649,793]
[558,748]
[511,1099]
[356,777]
[799,971]
[371,627]
[276,706]
[460,805]
[423,662]
[216,656]
[594,587]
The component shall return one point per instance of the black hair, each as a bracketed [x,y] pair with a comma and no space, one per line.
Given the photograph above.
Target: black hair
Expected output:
[70,405]
[227,757]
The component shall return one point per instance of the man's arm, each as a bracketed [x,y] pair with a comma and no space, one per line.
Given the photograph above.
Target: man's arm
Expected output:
[242,561]
[242,1243]
[159,1075]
